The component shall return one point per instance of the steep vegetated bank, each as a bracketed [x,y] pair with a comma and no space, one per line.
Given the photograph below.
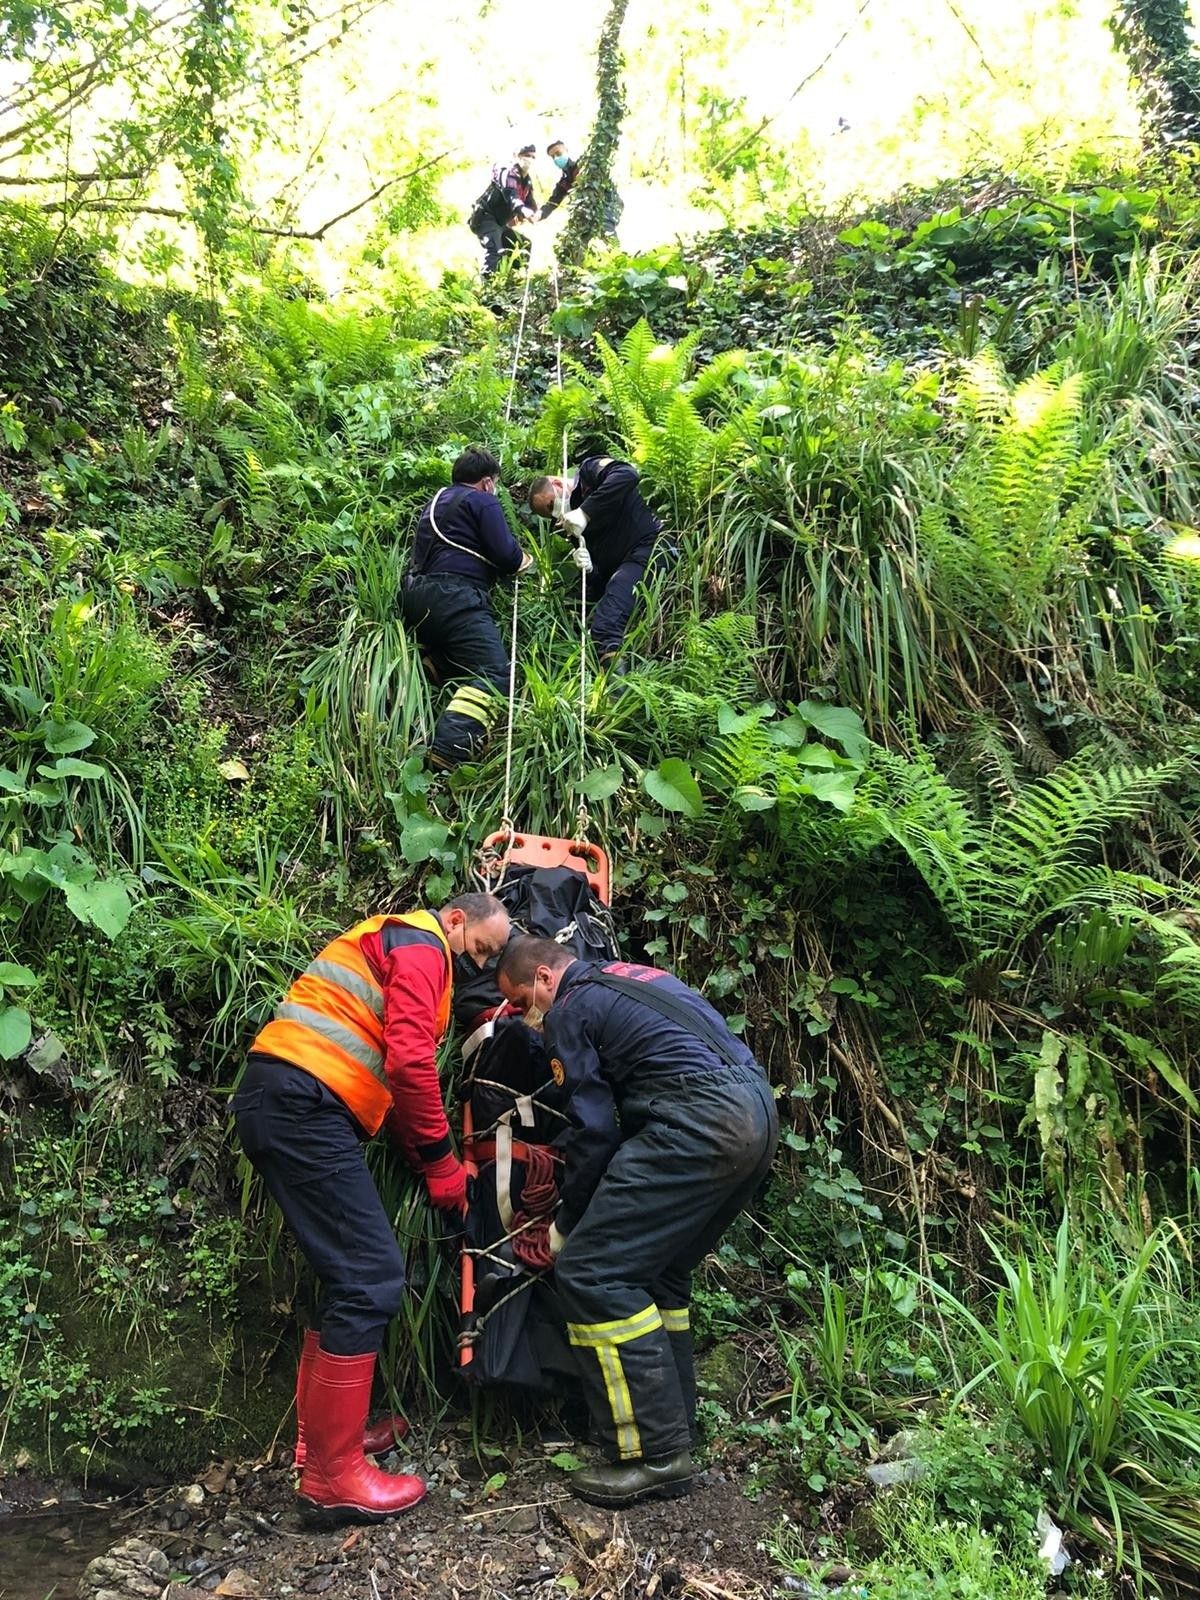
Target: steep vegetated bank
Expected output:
[902,773]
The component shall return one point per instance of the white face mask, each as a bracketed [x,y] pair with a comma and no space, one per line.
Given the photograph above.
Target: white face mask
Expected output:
[533,1018]
[561,504]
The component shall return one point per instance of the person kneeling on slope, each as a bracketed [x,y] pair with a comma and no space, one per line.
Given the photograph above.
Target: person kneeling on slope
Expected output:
[463,545]
[672,1130]
[352,1047]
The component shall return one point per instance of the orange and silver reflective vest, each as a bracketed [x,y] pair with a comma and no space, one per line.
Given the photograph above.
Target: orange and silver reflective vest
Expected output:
[331,1021]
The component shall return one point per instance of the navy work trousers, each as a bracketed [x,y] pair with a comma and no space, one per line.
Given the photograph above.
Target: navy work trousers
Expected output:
[498,241]
[455,626]
[699,1145]
[615,598]
[308,1149]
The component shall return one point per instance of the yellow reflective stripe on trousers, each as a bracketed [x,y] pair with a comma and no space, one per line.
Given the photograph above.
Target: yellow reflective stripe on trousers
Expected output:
[345,1038]
[592,1335]
[606,1339]
[629,1440]
[473,703]
[676,1320]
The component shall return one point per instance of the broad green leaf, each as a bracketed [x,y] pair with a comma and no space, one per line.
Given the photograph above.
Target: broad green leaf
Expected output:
[790,733]
[600,785]
[816,755]
[16,1030]
[69,767]
[751,798]
[13,976]
[64,738]
[671,783]
[566,1461]
[22,695]
[835,788]
[838,723]
[11,782]
[422,837]
[103,902]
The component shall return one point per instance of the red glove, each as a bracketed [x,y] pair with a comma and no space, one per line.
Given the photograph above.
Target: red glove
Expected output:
[446,1180]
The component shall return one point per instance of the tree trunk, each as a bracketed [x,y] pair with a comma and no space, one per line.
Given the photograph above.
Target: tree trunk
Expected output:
[1154,38]
[595,196]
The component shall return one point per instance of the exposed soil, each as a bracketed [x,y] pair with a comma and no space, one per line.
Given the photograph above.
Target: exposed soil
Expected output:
[238,1532]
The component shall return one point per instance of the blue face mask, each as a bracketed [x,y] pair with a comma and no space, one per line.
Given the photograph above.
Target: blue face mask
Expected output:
[561,162]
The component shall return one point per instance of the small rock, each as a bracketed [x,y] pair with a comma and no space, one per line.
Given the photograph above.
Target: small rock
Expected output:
[65,1534]
[838,1574]
[522,1519]
[237,1584]
[899,1447]
[180,1518]
[192,1496]
[885,1474]
[587,1528]
[318,1585]
[133,1569]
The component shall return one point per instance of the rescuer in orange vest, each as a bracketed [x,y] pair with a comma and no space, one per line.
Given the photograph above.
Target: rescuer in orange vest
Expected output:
[352,1047]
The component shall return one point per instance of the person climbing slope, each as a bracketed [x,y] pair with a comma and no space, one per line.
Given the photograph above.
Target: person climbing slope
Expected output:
[463,546]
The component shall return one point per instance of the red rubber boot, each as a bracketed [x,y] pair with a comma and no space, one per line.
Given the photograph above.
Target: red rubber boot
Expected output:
[379,1438]
[338,1482]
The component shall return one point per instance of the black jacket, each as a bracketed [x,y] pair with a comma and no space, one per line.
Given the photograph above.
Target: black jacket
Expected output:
[509,194]
[562,188]
[608,1046]
[621,526]
[475,538]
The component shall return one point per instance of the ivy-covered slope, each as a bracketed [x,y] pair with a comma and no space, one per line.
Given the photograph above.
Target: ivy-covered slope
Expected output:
[901,771]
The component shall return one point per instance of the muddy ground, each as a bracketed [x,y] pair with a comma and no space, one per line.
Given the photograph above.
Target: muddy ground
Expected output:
[516,1535]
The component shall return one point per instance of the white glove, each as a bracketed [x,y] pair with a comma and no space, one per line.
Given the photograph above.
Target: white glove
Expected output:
[555,1239]
[575,520]
[581,558]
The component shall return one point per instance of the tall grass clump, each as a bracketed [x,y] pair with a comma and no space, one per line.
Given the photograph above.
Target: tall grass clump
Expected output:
[1096,1355]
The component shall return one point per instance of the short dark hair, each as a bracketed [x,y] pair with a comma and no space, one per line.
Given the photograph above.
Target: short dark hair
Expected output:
[478,907]
[538,486]
[527,150]
[523,956]
[554,144]
[474,463]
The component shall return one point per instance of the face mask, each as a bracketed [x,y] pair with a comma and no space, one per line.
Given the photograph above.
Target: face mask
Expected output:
[561,504]
[534,1018]
[561,162]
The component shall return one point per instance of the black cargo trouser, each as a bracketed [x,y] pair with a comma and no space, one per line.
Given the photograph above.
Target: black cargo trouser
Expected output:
[615,599]
[455,626]
[701,1145]
[498,240]
[308,1149]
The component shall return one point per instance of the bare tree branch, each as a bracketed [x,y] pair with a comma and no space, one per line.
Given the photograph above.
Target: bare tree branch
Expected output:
[180,214]
[720,165]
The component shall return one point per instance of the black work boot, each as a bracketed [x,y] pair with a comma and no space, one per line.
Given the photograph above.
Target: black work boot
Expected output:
[623,1483]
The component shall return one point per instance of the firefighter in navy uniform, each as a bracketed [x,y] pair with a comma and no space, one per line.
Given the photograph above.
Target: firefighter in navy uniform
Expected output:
[350,1050]
[568,169]
[506,206]
[602,507]
[463,545]
[672,1131]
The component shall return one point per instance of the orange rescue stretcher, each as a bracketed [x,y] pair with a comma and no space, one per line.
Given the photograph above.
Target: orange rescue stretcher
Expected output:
[498,852]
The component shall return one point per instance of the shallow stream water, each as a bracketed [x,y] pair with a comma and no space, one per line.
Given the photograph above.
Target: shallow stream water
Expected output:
[43,1553]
